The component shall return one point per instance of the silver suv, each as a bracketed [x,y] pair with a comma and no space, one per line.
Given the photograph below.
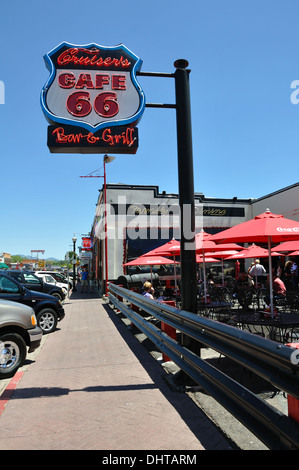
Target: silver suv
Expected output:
[18,330]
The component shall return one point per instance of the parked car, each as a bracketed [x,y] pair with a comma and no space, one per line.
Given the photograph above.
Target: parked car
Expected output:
[47,308]
[49,279]
[32,282]
[59,277]
[18,331]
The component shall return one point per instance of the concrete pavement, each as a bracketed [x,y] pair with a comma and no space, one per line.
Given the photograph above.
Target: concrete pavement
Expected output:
[93,386]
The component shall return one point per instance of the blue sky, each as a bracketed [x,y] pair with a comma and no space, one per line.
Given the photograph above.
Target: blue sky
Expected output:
[243,58]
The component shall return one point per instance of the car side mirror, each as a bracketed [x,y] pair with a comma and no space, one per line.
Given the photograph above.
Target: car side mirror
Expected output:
[22,290]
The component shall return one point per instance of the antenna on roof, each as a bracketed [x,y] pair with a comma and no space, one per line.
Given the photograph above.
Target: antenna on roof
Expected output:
[91,175]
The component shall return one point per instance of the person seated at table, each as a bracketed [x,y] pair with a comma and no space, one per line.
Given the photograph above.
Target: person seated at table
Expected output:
[294,272]
[243,291]
[279,289]
[278,286]
[288,274]
[148,290]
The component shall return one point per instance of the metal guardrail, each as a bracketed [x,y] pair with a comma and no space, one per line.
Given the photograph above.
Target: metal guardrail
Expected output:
[266,358]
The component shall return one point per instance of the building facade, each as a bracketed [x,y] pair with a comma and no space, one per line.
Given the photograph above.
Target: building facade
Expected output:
[141,218]
[5,258]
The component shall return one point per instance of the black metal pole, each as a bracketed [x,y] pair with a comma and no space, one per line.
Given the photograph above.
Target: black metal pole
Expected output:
[186,202]
[74,268]
[186,187]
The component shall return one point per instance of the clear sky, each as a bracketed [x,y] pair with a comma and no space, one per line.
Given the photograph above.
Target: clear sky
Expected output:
[243,56]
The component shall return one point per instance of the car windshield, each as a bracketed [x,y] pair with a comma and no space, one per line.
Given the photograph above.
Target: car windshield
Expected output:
[59,277]
[31,279]
[7,285]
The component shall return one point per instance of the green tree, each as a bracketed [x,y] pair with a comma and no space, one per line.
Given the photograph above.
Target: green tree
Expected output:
[16,258]
[70,255]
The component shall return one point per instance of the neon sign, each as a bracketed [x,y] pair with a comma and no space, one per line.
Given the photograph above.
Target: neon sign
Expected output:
[92,99]
[119,139]
[86,243]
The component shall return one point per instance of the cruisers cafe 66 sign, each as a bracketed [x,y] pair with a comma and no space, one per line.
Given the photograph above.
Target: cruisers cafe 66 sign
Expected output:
[92,99]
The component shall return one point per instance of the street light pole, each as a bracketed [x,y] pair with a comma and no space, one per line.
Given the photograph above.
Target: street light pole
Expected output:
[186,186]
[74,260]
[186,196]
[107,159]
[105,230]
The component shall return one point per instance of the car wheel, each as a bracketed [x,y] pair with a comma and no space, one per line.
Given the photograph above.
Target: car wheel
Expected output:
[58,296]
[47,320]
[13,353]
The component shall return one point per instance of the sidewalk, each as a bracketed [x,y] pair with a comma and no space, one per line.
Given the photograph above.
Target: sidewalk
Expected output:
[93,386]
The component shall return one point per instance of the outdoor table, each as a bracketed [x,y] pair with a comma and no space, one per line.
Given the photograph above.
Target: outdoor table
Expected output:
[219,310]
[283,327]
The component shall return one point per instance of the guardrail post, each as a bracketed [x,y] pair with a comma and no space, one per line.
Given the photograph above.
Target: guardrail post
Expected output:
[119,297]
[169,330]
[293,403]
[135,309]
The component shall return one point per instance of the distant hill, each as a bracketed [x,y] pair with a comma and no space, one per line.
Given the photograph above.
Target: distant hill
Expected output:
[29,257]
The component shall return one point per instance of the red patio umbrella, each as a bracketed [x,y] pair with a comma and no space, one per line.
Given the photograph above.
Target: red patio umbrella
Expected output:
[208,259]
[204,242]
[170,248]
[290,245]
[294,253]
[202,245]
[149,261]
[167,249]
[260,229]
[252,251]
[237,269]
[264,228]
